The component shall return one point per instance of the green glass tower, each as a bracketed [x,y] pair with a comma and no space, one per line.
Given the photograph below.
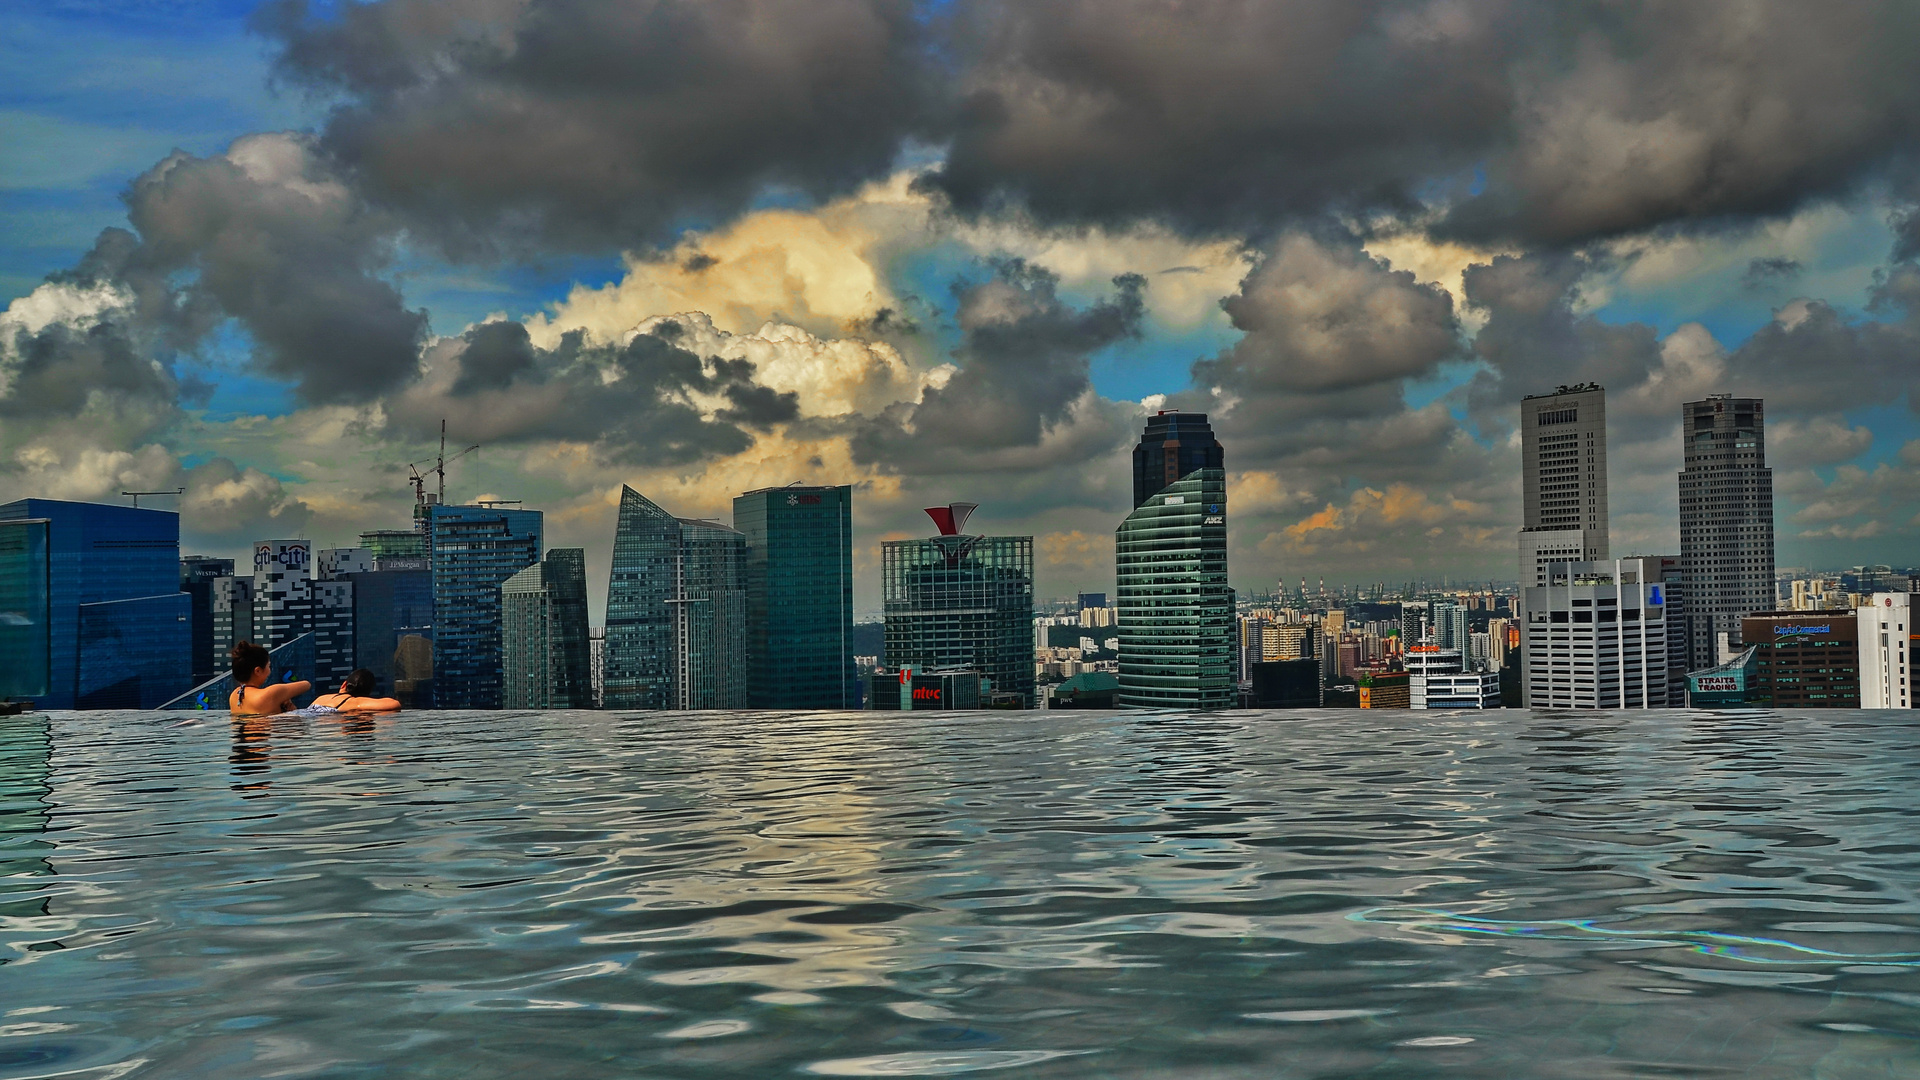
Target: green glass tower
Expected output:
[799,597]
[1175,610]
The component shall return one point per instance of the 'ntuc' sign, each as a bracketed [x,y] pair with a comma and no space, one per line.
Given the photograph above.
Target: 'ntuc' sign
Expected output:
[1800,631]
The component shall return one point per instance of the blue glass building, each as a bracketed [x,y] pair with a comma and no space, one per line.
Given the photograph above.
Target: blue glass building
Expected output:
[472,551]
[119,626]
[799,597]
[392,626]
[25,609]
[197,576]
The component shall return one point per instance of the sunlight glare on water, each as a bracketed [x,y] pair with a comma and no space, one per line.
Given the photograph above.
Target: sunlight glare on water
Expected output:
[1043,895]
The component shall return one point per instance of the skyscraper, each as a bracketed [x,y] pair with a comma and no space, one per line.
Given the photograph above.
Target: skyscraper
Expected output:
[1175,610]
[957,601]
[472,550]
[25,609]
[1174,445]
[289,601]
[1563,452]
[543,618]
[393,627]
[120,629]
[197,575]
[676,611]
[799,597]
[1726,519]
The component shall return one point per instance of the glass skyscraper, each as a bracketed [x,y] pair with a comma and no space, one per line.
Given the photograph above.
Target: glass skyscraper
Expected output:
[120,629]
[1174,445]
[1175,609]
[676,612]
[543,616]
[25,609]
[799,597]
[961,602]
[472,551]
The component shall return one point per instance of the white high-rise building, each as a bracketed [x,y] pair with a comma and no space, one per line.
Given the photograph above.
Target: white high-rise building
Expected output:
[1887,636]
[1595,637]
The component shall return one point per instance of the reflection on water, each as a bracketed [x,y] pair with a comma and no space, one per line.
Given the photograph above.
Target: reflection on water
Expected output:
[1334,894]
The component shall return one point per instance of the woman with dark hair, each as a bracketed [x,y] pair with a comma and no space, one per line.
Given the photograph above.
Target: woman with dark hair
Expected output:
[355,696]
[251,696]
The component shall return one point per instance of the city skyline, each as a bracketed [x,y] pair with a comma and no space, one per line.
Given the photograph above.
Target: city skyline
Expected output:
[928,313]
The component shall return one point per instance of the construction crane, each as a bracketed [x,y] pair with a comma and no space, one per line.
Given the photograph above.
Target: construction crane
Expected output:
[419,479]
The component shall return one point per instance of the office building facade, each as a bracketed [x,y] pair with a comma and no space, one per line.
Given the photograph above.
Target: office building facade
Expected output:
[1887,637]
[1175,609]
[676,635]
[472,551]
[1726,520]
[393,627]
[958,602]
[799,569]
[1804,660]
[1563,481]
[119,628]
[1595,637]
[543,647]
[197,575]
[26,609]
[1173,446]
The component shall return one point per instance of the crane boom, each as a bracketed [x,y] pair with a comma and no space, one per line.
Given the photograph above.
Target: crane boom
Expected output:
[419,479]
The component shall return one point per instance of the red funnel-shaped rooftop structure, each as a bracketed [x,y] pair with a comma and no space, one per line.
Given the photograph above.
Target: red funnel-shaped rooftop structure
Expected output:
[952,517]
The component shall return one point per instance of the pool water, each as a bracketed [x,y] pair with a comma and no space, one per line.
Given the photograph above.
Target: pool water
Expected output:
[1314,894]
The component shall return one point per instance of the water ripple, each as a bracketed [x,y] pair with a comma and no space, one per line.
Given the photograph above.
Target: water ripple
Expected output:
[1312,894]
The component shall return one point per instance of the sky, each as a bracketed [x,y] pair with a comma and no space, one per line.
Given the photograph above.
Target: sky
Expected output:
[958,251]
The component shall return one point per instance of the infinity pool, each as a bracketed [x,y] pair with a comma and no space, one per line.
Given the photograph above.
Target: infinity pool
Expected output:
[1041,895]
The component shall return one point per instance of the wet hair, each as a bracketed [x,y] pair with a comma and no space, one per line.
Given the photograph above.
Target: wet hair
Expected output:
[247,659]
[359,684]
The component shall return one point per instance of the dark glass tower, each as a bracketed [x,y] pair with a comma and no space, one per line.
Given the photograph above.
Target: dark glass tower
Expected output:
[799,597]
[197,575]
[120,629]
[1726,519]
[543,613]
[25,640]
[472,551]
[1175,609]
[1174,445]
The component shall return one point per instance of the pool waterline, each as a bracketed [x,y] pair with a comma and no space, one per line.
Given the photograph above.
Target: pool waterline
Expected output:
[1046,894]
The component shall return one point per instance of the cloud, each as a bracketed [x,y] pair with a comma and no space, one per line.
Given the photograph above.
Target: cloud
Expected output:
[498,123]
[1023,370]
[1766,272]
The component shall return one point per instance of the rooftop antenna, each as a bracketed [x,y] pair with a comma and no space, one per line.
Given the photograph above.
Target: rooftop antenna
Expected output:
[136,494]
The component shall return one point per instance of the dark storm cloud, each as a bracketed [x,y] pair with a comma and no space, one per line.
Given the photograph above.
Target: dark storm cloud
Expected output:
[635,403]
[269,237]
[588,123]
[1329,335]
[1549,122]
[1024,361]
[1814,359]
[61,369]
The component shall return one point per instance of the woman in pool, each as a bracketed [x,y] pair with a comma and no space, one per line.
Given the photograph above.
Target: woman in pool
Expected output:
[354,696]
[252,667]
